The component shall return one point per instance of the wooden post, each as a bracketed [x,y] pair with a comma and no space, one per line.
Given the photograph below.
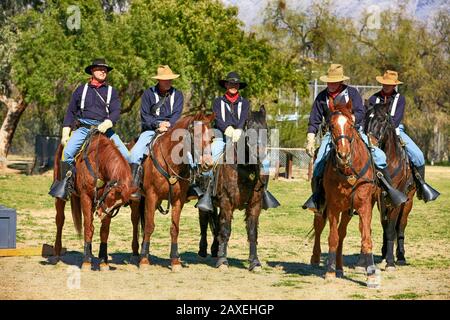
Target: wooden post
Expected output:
[277,170]
[289,160]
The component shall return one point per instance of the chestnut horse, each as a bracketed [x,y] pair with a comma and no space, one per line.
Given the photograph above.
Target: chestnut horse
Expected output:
[381,132]
[349,183]
[165,178]
[239,186]
[102,184]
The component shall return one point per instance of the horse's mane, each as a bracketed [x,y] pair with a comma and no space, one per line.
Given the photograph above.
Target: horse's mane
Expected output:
[185,121]
[112,164]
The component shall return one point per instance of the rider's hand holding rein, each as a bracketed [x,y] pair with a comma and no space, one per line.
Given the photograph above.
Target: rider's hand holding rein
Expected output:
[310,144]
[105,125]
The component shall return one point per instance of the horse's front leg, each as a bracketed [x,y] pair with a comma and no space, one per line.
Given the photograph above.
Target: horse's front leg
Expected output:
[365,220]
[174,231]
[342,231]
[59,219]
[319,225]
[103,252]
[203,218]
[223,238]
[403,221]
[135,216]
[391,237]
[252,220]
[86,206]
[150,207]
[333,241]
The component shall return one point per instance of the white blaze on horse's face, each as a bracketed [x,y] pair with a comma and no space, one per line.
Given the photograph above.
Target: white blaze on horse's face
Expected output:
[342,120]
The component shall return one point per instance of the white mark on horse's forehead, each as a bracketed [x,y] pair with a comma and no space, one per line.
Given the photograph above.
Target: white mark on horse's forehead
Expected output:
[342,120]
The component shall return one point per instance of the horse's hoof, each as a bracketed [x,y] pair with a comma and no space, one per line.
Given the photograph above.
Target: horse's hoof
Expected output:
[202,253]
[373,281]
[401,262]
[360,269]
[314,261]
[176,267]
[389,268]
[330,275]
[86,266]
[256,269]
[223,267]
[339,273]
[104,266]
[144,263]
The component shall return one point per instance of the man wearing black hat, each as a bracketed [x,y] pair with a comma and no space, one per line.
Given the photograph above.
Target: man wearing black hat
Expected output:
[231,111]
[93,104]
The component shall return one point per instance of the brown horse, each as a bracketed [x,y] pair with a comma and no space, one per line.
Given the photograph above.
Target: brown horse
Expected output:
[381,132]
[102,184]
[349,183]
[168,179]
[238,186]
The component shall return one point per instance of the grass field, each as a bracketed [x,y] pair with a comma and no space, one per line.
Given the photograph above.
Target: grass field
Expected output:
[284,251]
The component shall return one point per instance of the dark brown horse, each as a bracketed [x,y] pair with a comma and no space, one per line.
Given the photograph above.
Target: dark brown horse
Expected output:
[349,183]
[102,184]
[381,132]
[165,178]
[238,187]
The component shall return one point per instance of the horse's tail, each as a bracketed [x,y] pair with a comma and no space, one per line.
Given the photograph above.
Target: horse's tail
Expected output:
[75,204]
[311,233]
[142,213]
[57,164]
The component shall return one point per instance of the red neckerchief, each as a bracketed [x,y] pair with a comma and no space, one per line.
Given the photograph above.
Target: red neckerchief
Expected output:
[232,98]
[96,83]
[333,95]
[386,96]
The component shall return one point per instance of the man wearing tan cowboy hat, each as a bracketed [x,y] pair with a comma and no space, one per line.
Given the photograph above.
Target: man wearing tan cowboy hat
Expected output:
[335,92]
[161,107]
[388,95]
[93,104]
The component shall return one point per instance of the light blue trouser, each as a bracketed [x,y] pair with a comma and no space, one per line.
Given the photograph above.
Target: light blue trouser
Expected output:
[413,151]
[218,147]
[379,157]
[78,136]
[141,146]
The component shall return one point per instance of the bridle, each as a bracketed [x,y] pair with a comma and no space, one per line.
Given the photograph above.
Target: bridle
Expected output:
[99,202]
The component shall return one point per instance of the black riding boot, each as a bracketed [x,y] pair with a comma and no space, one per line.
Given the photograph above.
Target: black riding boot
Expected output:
[63,188]
[424,191]
[194,191]
[397,197]
[205,202]
[136,170]
[317,198]
[268,200]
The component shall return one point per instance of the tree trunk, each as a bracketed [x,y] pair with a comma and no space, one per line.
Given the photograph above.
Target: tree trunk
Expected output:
[15,110]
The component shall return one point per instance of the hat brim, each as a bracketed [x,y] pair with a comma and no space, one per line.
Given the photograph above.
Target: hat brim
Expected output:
[381,80]
[242,85]
[166,77]
[88,69]
[333,79]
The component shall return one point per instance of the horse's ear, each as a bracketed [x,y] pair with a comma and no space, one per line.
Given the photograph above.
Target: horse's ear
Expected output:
[262,109]
[349,105]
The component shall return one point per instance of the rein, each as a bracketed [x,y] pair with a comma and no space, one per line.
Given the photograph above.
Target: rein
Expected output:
[173,178]
[355,178]
[98,203]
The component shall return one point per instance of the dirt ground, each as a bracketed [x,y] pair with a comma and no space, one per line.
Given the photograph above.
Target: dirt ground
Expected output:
[283,249]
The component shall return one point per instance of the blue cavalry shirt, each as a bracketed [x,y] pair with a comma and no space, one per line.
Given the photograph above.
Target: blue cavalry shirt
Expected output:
[320,109]
[170,110]
[396,105]
[230,114]
[94,106]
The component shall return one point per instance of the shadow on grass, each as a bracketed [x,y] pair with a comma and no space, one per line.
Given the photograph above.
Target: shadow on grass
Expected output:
[303,269]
